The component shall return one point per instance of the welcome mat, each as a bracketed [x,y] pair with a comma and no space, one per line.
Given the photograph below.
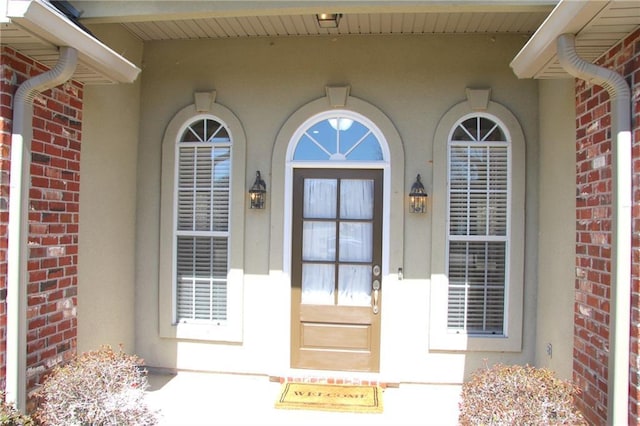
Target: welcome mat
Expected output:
[326,397]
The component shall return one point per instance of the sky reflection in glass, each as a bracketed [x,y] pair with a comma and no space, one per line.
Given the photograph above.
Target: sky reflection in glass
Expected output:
[338,139]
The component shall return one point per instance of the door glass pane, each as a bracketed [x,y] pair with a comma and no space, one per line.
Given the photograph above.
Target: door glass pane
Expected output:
[356,199]
[354,285]
[318,241]
[349,233]
[356,241]
[320,198]
[318,284]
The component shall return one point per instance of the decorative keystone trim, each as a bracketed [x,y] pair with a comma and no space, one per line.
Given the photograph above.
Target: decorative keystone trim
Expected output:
[338,95]
[478,98]
[204,100]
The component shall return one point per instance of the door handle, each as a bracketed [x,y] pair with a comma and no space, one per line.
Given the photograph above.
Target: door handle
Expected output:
[375,301]
[376,296]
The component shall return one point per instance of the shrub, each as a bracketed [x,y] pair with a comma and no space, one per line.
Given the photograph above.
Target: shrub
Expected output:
[10,416]
[101,387]
[517,395]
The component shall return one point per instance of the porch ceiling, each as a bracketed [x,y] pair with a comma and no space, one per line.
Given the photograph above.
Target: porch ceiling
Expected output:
[173,20]
[598,24]
[356,23]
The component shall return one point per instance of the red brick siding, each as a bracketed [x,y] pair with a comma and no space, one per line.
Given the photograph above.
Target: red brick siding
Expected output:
[53,216]
[593,237]
[6,98]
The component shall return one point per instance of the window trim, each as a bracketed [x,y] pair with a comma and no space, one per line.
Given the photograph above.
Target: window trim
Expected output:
[231,329]
[439,337]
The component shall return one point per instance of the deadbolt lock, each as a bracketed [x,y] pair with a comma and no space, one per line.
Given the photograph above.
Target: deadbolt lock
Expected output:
[376,270]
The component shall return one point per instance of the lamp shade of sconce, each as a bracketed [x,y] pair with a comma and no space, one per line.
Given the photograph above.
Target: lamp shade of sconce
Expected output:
[258,193]
[328,20]
[417,197]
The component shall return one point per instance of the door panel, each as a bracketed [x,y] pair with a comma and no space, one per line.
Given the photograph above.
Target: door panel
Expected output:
[336,263]
[335,336]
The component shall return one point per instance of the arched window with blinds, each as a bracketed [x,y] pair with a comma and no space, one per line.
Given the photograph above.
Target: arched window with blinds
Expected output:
[478,229]
[479,169]
[202,187]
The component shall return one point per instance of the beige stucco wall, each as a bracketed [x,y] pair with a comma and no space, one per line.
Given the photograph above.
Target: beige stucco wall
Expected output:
[414,80]
[106,259]
[556,258]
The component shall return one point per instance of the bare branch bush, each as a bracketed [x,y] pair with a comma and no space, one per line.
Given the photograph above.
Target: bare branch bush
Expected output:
[100,388]
[518,395]
[11,416]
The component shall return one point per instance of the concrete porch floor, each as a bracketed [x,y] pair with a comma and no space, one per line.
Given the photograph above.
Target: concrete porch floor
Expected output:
[189,398]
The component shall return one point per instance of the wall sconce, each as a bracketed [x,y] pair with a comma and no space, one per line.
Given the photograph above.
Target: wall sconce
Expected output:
[328,20]
[258,193]
[417,197]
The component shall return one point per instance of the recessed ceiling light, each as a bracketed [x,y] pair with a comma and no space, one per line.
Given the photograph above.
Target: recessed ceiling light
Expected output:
[328,20]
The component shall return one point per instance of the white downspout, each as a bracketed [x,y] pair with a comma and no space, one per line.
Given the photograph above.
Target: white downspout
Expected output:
[620,97]
[18,231]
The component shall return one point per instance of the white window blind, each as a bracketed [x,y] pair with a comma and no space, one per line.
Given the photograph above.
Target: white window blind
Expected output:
[478,227]
[202,222]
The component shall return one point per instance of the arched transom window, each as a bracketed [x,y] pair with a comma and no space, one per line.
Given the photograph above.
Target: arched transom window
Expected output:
[338,136]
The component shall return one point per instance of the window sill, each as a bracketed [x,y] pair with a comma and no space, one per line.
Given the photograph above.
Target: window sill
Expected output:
[223,332]
[473,343]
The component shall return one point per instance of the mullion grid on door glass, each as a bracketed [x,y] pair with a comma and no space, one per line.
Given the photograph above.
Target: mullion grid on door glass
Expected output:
[319,241]
[323,226]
